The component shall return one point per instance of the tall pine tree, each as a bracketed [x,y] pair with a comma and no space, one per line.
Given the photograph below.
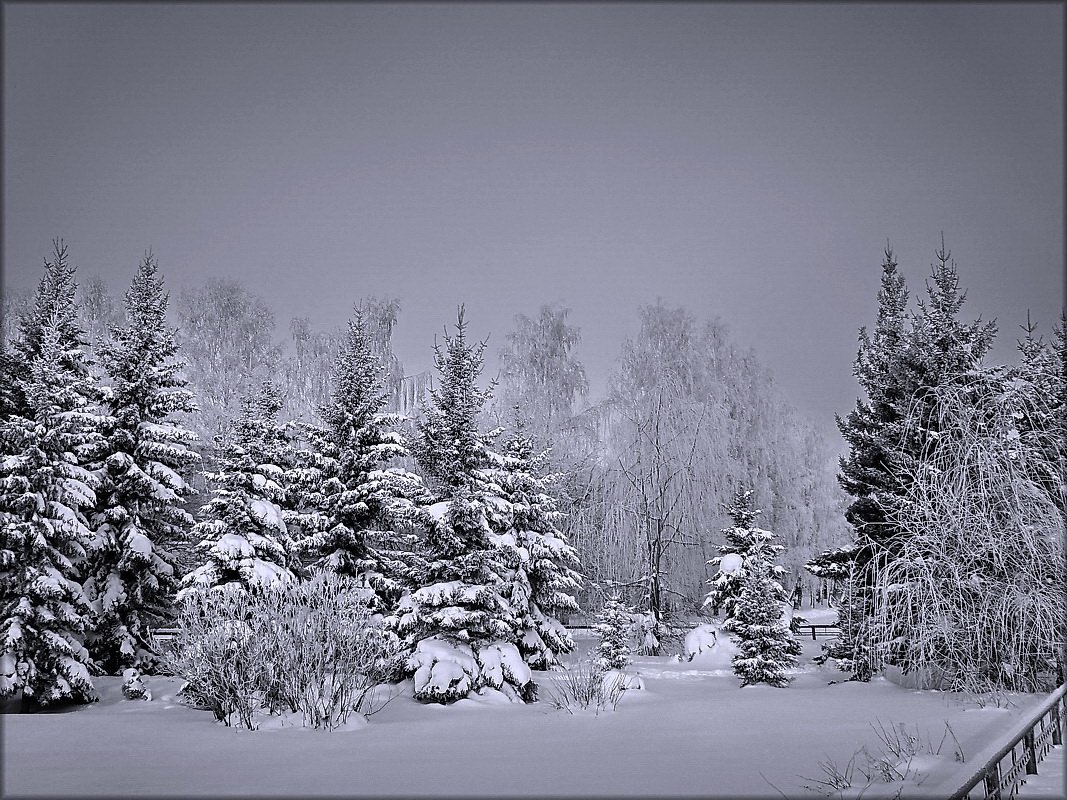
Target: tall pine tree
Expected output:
[243,528]
[139,513]
[358,511]
[899,368]
[459,623]
[872,430]
[48,435]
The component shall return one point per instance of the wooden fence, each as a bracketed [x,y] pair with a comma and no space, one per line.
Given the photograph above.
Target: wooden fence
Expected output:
[1000,777]
[824,629]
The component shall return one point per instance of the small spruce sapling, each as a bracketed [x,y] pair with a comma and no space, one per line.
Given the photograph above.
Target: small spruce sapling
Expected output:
[613,626]
[766,646]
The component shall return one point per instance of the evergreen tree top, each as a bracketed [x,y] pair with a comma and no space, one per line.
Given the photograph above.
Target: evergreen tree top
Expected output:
[142,357]
[943,345]
[358,393]
[54,306]
[451,446]
[740,509]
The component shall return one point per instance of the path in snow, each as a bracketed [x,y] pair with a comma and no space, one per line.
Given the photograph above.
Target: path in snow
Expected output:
[1051,778]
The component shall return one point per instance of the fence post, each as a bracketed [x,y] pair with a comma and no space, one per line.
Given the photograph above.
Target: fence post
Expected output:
[813,633]
[1031,752]
[1057,726]
[992,783]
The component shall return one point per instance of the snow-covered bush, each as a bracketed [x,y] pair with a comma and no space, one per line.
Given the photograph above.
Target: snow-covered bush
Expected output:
[708,645]
[133,687]
[333,654]
[585,686]
[614,624]
[309,649]
[445,671]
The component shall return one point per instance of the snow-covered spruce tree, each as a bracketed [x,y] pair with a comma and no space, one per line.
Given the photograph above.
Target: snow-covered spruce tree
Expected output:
[243,532]
[44,493]
[459,625]
[9,404]
[546,578]
[139,513]
[355,511]
[613,625]
[744,544]
[766,647]
[872,429]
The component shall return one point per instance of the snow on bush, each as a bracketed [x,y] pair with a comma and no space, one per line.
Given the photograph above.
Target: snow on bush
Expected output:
[710,646]
[976,592]
[133,687]
[309,649]
[446,671]
[503,668]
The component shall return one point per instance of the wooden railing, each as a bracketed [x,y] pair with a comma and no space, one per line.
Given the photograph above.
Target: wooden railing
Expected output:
[1001,776]
[831,628]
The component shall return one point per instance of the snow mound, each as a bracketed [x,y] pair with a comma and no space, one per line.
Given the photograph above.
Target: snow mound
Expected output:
[613,679]
[709,646]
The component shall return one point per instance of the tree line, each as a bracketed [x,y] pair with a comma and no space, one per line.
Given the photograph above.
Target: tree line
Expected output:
[144,461]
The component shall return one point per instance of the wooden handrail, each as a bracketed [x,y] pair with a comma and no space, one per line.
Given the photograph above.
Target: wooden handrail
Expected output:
[1000,784]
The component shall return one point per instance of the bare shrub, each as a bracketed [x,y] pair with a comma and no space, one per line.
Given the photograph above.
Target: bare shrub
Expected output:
[585,686]
[333,655]
[891,762]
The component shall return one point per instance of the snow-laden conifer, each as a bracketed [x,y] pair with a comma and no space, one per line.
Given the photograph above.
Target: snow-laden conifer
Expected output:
[544,582]
[45,491]
[744,543]
[243,530]
[459,623]
[139,513]
[357,511]
[849,649]
[900,366]
[613,625]
[766,647]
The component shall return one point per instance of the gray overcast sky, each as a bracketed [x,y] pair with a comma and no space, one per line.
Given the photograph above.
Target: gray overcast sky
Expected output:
[747,161]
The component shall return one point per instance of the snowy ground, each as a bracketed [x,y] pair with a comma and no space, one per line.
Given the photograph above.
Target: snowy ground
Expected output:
[691,731]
